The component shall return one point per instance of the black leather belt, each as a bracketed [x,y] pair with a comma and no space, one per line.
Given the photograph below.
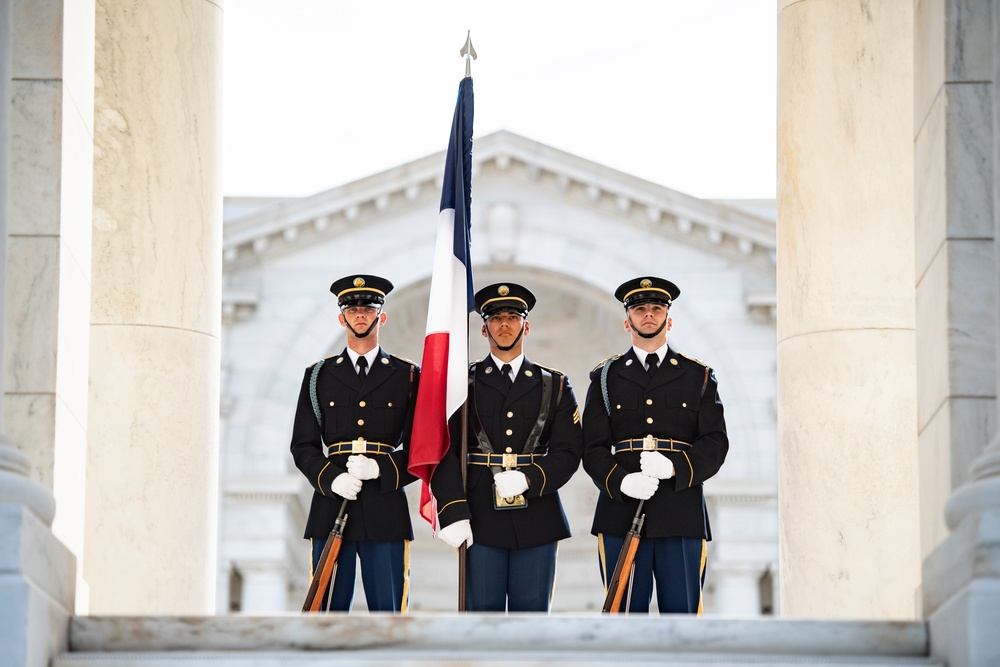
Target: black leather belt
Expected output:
[360,446]
[650,444]
[503,460]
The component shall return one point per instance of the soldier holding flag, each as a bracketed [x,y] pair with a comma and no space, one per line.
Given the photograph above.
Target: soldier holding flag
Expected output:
[525,442]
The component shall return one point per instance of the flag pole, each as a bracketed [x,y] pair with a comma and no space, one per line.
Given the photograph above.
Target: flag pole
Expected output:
[469,53]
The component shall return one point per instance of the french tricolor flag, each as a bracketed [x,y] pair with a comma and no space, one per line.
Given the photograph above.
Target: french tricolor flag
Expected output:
[444,375]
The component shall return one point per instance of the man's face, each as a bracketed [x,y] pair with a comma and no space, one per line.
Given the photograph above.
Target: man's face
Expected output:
[361,317]
[646,318]
[504,327]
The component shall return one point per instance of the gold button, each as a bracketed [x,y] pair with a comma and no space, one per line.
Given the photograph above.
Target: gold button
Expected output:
[384,360]
[510,414]
[509,450]
[618,407]
[649,401]
[628,363]
[510,432]
[673,361]
[528,373]
[340,359]
[331,404]
[684,405]
[649,420]
[361,422]
[362,404]
[390,404]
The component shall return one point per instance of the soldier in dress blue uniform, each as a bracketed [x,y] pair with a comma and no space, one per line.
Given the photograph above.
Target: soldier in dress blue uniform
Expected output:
[350,438]
[654,430]
[524,443]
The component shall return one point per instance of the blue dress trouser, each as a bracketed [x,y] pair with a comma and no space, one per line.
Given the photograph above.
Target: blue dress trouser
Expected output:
[385,574]
[677,564]
[499,579]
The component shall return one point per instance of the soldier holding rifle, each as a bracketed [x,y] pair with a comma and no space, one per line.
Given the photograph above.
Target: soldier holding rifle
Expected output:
[358,407]
[654,431]
[524,443]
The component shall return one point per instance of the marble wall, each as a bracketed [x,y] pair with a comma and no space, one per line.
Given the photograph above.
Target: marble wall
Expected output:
[47,277]
[955,230]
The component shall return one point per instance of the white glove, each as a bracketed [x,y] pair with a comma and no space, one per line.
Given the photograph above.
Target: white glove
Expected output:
[362,467]
[655,464]
[346,486]
[510,483]
[639,486]
[454,534]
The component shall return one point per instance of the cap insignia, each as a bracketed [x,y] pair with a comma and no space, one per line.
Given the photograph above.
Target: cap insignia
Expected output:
[503,290]
[359,282]
[646,282]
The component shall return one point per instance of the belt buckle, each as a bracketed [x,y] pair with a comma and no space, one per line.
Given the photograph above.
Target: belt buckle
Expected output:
[649,443]
[509,461]
[359,446]
[514,503]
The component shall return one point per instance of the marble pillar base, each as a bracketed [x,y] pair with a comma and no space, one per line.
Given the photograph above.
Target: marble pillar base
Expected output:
[962,593]
[37,579]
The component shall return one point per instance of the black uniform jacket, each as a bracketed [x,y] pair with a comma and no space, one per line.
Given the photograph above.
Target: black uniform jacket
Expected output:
[379,410]
[508,416]
[668,405]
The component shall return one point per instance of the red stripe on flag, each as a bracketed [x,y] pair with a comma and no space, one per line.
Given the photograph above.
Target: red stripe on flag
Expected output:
[431,417]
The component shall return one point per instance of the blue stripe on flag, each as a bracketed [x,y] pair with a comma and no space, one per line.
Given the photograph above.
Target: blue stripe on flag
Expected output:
[458,179]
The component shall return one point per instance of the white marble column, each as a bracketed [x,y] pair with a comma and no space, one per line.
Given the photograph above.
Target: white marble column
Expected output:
[154,385]
[848,493]
[958,161]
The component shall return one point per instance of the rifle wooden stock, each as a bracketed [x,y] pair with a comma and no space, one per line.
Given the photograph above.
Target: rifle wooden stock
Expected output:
[327,562]
[623,569]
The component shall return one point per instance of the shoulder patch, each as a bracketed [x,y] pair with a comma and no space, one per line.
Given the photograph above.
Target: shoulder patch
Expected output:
[404,360]
[551,370]
[697,361]
[605,361]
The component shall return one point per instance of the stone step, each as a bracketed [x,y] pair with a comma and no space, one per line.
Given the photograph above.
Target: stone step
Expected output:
[489,639]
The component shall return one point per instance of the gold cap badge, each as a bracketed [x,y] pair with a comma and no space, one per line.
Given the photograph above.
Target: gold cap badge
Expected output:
[359,282]
[503,290]
[646,282]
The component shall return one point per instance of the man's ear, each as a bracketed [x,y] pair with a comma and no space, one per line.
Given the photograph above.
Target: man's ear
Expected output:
[527,327]
[382,318]
[628,325]
[484,331]
[343,322]
[670,323]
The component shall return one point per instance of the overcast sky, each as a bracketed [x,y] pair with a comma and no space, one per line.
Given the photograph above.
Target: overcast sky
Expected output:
[318,93]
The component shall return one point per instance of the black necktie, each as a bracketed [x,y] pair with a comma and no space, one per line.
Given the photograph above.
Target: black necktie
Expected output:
[362,365]
[652,360]
[505,372]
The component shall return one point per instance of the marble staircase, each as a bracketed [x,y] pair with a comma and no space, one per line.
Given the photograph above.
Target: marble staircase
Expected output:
[527,640]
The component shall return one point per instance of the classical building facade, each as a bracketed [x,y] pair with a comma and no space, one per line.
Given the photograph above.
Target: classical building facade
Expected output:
[570,229]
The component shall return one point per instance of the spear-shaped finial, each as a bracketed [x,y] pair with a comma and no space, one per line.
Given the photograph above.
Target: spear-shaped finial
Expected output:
[469,53]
